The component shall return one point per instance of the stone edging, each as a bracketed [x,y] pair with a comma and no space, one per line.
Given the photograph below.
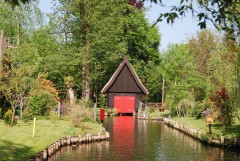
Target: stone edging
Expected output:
[69,140]
[198,134]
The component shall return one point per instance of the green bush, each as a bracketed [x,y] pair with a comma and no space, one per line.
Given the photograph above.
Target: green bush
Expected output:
[102,101]
[90,104]
[41,101]
[27,115]
[184,107]
[199,107]
[8,117]
[152,109]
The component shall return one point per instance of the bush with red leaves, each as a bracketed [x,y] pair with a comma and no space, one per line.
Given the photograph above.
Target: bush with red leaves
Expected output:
[222,103]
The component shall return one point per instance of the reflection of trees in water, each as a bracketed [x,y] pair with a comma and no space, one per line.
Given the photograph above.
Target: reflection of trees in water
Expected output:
[147,140]
[85,150]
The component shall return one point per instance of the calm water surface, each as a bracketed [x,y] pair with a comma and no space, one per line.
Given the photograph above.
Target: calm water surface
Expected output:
[133,139]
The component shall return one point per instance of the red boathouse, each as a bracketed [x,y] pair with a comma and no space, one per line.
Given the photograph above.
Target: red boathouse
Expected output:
[124,89]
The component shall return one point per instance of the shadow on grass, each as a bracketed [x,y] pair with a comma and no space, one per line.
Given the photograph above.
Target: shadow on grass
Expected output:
[10,151]
[233,130]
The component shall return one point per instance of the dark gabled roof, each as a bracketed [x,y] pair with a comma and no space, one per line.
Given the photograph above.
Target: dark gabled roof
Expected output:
[118,71]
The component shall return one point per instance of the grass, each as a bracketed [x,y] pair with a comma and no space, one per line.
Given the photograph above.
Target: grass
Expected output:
[217,129]
[166,113]
[200,124]
[17,143]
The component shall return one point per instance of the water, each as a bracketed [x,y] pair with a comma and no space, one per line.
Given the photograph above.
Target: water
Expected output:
[143,140]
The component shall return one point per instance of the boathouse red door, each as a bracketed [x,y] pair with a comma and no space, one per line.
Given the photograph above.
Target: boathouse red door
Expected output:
[124,104]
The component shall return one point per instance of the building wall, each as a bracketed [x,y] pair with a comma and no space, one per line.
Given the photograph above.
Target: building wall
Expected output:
[125,83]
[110,99]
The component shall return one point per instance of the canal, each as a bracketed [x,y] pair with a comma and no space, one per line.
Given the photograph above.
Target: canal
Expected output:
[133,139]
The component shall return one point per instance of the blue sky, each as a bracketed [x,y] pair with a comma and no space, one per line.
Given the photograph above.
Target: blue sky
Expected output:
[175,33]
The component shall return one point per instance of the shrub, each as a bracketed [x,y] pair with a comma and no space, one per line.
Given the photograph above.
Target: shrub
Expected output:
[152,109]
[90,104]
[8,117]
[27,115]
[102,101]
[184,107]
[79,113]
[223,107]
[41,101]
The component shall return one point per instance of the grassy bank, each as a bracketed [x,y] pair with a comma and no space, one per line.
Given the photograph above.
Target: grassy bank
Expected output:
[200,124]
[17,143]
[166,113]
[217,129]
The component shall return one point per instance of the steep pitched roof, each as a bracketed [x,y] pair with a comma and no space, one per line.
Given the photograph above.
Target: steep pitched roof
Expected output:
[118,71]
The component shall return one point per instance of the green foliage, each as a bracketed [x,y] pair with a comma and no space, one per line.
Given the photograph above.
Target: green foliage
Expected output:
[199,107]
[27,115]
[69,81]
[102,101]
[41,102]
[112,29]
[8,118]
[151,109]
[222,14]
[90,104]
[183,107]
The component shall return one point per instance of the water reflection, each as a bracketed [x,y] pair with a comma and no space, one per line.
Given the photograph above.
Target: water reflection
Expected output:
[133,139]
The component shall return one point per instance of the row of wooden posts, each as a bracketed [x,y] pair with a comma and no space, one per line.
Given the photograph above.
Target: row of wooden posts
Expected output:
[66,141]
[198,134]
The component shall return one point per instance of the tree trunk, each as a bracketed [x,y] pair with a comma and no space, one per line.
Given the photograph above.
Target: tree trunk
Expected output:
[71,96]
[83,6]
[1,46]
[13,115]
[85,79]
[21,105]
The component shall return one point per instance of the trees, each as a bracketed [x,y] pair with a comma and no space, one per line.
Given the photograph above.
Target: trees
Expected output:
[222,14]
[97,34]
[17,75]
[180,78]
[17,2]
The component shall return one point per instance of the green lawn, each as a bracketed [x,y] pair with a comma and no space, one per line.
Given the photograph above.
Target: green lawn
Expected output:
[200,124]
[166,113]
[17,143]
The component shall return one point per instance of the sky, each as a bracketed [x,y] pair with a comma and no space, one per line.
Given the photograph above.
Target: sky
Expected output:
[175,33]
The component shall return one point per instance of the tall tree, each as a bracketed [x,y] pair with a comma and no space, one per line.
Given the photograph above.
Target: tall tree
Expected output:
[201,46]
[223,14]
[100,33]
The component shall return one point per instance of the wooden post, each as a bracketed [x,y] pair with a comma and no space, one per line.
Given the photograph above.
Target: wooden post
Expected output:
[210,128]
[34,123]
[95,112]
[59,108]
